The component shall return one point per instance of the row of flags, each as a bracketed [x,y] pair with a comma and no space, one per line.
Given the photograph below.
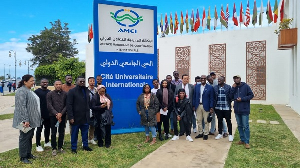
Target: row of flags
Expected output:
[243,19]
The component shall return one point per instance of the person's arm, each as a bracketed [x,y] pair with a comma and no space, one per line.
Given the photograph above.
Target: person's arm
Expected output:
[156,104]
[111,102]
[249,94]
[159,95]
[21,105]
[138,105]
[49,104]
[70,103]
[64,110]
[211,97]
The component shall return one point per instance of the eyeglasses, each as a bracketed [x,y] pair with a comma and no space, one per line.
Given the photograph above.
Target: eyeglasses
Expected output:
[203,78]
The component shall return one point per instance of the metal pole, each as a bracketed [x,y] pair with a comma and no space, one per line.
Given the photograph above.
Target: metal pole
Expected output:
[4,72]
[15,67]
[28,66]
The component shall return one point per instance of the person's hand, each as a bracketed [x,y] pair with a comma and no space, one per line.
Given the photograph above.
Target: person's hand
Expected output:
[139,113]
[178,118]
[71,121]
[26,124]
[234,85]
[211,110]
[239,99]
[103,105]
[165,109]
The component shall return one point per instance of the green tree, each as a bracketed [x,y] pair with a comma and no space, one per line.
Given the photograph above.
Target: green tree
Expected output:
[45,71]
[50,43]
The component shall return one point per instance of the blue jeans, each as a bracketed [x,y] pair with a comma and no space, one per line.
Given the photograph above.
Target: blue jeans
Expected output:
[194,122]
[243,127]
[152,129]
[84,128]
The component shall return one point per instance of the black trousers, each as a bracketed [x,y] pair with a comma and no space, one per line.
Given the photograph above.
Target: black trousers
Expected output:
[46,124]
[184,125]
[25,143]
[165,120]
[227,115]
[103,132]
[61,131]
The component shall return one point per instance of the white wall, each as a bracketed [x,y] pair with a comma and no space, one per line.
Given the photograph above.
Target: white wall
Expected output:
[89,64]
[276,66]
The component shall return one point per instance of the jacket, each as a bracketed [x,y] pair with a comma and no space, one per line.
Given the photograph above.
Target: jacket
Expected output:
[43,101]
[191,91]
[26,108]
[245,93]
[56,102]
[159,95]
[184,110]
[95,106]
[227,89]
[207,97]
[152,110]
[78,105]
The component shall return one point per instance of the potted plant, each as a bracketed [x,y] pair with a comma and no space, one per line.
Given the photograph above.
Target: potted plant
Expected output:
[287,37]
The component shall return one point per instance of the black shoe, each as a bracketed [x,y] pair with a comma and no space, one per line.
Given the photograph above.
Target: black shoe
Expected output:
[205,137]
[25,160]
[100,145]
[210,133]
[31,156]
[86,148]
[167,137]
[199,136]
[74,151]
[160,138]
[107,146]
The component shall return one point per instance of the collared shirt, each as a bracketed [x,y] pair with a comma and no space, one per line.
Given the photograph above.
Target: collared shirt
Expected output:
[93,91]
[176,82]
[222,103]
[153,90]
[201,92]
[186,88]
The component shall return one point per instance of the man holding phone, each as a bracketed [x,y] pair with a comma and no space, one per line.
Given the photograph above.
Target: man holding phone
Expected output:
[242,94]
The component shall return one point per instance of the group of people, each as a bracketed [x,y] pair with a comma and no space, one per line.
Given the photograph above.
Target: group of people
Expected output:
[177,101]
[86,108]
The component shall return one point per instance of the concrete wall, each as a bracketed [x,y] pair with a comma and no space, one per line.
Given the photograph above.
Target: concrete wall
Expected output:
[276,65]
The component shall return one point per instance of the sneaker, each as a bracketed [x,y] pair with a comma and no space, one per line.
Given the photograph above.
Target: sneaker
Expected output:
[219,136]
[199,136]
[61,150]
[92,142]
[25,160]
[39,149]
[205,137]
[48,144]
[54,153]
[195,130]
[225,135]
[189,138]
[175,137]
[230,138]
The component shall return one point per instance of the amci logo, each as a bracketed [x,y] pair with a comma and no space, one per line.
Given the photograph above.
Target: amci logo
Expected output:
[127,20]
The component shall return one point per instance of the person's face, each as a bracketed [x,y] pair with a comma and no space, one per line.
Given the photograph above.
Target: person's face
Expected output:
[237,80]
[164,84]
[155,84]
[81,82]
[91,82]
[176,74]
[101,91]
[210,80]
[221,81]
[169,78]
[181,95]
[213,77]
[198,80]
[99,80]
[44,83]
[203,79]
[29,83]
[185,80]
[69,79]
[58,85]
[147,89]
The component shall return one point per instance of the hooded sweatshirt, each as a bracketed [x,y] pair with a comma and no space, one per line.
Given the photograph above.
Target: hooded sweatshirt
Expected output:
[245,93]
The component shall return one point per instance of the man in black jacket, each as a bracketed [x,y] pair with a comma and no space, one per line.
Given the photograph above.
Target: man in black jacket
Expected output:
[78,110]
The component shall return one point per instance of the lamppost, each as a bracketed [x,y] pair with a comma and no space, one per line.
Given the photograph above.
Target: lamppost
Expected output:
[9,72]
[15,54]
[4,72]
[27,64]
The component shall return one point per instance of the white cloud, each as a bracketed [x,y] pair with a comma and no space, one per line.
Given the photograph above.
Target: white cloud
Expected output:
[14,39]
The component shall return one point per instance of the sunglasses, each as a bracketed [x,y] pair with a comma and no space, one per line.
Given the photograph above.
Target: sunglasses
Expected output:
[81,81]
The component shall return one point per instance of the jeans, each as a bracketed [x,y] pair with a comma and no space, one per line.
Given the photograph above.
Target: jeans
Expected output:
[152,129]
[46,124]
[84,128]
[243,127]
[213,123]
[194,122]
[61,131]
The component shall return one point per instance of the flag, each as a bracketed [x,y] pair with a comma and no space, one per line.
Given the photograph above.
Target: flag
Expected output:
[161,24]
[176,23]
[192,21]
[241,14]
[254,17]
[269,13]
[181,23]
[197,23]
[281,10]
[223,18]
[208,19]
[187,21]
[227,15]
[234,16]
[247,15]
[275,12]
[203,19]
[157,29]
[216,18]
[171,23]
[89,30]
[166,25]
[261,13]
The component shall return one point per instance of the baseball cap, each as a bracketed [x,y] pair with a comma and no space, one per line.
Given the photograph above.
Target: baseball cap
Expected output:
[236,76]
[212,73]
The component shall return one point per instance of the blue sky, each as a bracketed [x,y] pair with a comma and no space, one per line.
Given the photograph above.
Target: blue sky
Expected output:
[20,19]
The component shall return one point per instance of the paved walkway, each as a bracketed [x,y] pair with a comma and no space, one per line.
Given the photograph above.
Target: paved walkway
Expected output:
[181,153]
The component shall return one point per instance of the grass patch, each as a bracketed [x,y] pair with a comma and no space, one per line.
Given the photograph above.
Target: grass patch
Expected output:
[127,149]
[271,145]
[6,116]
[11,94]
